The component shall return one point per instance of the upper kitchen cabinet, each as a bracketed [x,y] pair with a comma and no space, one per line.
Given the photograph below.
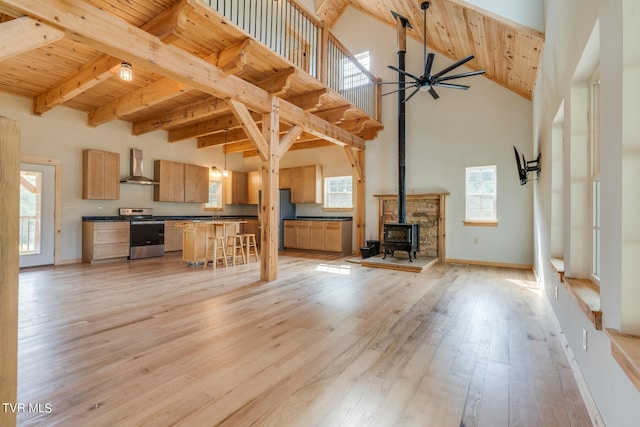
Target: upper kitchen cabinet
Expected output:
[235,188]
[254,186]
[285,179]
[196,184]
[306,184]
[170,175]
[100,175]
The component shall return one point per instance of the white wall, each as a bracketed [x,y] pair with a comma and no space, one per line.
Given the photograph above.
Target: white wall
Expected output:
[568,27]
[62,134]
[463,128]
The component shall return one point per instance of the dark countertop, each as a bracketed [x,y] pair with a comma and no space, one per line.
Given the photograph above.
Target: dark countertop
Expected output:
[320,218]
[116,218]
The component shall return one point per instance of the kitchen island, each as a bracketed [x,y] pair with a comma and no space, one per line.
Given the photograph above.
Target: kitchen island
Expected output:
[195,235]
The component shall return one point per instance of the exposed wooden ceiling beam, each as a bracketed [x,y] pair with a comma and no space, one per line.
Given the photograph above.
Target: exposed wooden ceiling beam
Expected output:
[145,97]
[289,139]
[24,34]
[243,115]
[200,129]
[181,116]
[98,29]
[102,67]
[315,143]
[276,84]
[222,138]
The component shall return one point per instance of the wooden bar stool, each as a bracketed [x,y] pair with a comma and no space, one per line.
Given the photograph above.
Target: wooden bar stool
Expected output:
[249,242]
[219,250]
[235,249]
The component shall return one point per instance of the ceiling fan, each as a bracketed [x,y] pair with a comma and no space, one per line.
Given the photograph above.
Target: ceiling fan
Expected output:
[427,81]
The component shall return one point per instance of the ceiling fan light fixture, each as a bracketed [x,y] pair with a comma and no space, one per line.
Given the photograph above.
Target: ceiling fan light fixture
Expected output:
[125,72]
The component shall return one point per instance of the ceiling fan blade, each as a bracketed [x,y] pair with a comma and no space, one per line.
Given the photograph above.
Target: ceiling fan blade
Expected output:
[452,86]
[394,91]
[434,93]
[428,64]
[412,93]
[454,65]
[402,72]
[393,83]
[461,75]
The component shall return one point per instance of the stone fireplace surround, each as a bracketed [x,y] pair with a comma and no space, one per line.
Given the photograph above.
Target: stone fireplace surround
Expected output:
[424,209]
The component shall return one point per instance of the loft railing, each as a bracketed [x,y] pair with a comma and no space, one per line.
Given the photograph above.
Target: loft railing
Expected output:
[350,78]
[293,33]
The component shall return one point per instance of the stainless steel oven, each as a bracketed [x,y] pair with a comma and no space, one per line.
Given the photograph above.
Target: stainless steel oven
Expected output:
[146,237]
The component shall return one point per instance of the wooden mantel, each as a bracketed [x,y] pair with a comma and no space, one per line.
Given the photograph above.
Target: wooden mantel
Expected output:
[440,197]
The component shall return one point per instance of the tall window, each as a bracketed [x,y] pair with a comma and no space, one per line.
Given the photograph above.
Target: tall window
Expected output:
[481,192]
[215,194]
[594,124]
[352,75]
[338,192]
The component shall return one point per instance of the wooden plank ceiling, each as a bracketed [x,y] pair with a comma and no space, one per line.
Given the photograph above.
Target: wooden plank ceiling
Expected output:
[79,71]
[508,51]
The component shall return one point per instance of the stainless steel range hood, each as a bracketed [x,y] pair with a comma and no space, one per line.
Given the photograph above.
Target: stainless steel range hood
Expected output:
[136,176]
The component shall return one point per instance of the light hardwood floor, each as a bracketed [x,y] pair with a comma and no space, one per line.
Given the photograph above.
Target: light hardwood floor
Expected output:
[155,342]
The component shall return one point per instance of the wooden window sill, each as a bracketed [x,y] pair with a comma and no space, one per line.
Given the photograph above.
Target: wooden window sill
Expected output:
[587,295]
[480,223]
[625,349]
[558,266]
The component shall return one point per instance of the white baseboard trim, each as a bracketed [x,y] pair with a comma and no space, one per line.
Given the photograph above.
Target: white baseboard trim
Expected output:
[592,408]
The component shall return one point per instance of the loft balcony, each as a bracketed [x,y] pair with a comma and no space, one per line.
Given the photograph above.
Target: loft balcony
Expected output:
[214,56]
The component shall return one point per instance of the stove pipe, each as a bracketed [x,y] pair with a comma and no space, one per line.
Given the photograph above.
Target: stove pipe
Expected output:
[402,24]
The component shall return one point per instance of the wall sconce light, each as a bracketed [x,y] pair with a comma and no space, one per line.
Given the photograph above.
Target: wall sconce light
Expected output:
[125,72]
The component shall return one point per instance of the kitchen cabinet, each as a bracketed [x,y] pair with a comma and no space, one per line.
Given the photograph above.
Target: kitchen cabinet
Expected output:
[306,184]
[329,236]
[316,235]
[254,185]
[196,184]
[170,176]
[234,188]
[172,236]
[180,182]
[104,240]
[284,180]
[100,175]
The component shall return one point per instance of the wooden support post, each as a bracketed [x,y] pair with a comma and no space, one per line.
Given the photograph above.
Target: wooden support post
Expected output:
[9,212]
[269,204]
[357,159]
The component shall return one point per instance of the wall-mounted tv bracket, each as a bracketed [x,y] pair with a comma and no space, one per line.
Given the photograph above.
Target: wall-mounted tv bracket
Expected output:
[525,167]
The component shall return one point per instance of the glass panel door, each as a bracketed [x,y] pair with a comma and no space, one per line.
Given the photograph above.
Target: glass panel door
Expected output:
[37,188]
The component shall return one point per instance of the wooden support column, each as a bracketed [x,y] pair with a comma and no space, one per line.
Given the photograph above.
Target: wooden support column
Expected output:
[269,204]
[9,212]
[357,159]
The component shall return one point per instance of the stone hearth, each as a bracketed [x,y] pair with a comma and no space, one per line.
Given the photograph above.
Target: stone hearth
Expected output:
[424,209]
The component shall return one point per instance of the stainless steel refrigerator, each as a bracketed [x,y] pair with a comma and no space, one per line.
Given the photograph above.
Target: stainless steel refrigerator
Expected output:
[287,210]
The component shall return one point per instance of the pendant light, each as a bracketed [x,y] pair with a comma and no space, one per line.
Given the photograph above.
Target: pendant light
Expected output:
[225,172]
[125,72]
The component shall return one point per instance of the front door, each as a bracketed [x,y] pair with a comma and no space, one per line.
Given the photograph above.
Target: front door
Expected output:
[37,199]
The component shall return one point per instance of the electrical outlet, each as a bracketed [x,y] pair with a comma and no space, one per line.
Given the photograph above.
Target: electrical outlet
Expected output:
[475,240]
[557,291]
[99,209]
[584,339]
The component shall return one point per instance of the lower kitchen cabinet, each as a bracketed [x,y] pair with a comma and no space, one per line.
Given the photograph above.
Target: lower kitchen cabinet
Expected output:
[329,236]
[172,236]
[104,240]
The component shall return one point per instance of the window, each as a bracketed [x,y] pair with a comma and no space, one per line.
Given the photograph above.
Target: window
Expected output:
[352,74]
[215,195]
[594,125]
[338,192]
[481,186]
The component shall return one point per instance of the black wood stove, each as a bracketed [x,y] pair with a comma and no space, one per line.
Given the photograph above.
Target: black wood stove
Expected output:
[401,237]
